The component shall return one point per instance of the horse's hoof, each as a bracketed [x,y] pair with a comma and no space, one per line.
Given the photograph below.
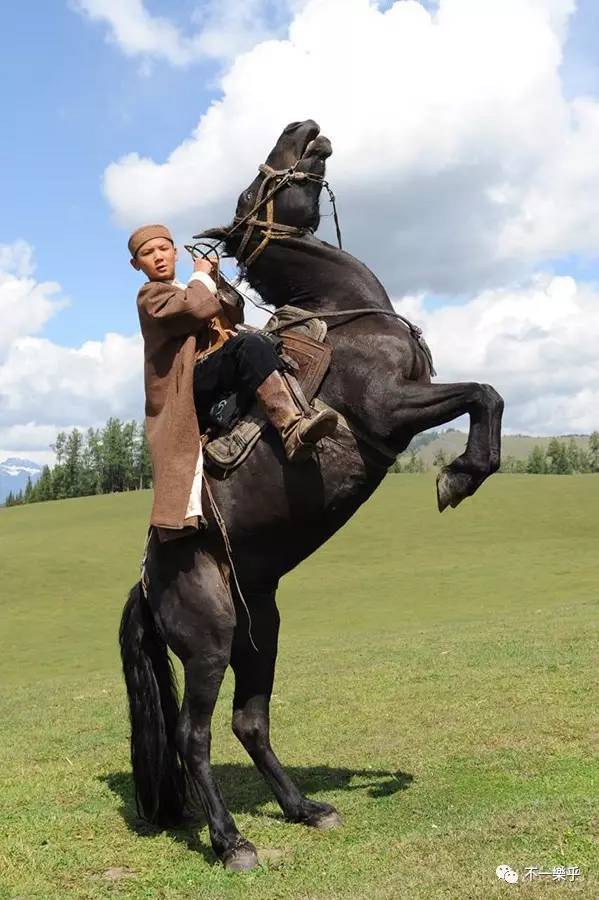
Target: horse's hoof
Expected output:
[328,821]
[453,487]
[321,816]
[242,858]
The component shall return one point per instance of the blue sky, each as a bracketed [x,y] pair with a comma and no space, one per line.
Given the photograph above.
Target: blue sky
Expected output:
[76,105]
[77,100]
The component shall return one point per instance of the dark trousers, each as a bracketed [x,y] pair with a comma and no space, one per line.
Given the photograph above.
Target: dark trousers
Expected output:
[239,367]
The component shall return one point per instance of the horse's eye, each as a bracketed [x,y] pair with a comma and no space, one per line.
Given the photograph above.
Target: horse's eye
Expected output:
[249,195]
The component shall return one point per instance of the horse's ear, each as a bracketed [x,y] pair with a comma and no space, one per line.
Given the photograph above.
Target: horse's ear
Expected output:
[220,232]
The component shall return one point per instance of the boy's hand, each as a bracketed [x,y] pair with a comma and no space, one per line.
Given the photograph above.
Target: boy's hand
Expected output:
[205,265]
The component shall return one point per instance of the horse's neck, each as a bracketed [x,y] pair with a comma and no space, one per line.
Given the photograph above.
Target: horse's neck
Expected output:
[318,277]
[308,273]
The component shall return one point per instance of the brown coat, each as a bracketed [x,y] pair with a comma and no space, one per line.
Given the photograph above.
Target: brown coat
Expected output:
[178,325]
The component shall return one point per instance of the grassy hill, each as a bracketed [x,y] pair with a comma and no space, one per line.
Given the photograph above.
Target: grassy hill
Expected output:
[437,683]
[453,442]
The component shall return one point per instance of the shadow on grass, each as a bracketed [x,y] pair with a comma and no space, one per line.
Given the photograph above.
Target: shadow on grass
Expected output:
[246,792]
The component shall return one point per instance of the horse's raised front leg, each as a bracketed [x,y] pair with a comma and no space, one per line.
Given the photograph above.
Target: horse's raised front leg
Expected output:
[199,620]
[422,406]
[254,677]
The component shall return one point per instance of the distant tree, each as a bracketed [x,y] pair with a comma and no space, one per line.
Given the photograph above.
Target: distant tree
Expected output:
[594,451]
[129,447]
[143,462]
[10,500]
[59,447]
[439,459]
[91,463]
[73,463]
[564,464]
[584,461]
[28,490]
[536,463]
[43,487]
[59,483]
[557,453]
[574,455]
[512,466]
[113,457]
[415,464]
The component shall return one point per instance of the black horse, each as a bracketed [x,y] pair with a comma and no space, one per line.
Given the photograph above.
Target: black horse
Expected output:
[276,513]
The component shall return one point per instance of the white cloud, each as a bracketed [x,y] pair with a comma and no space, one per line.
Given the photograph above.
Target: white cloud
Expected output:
[225,28]
[29,441]
[44,386]
[536,344]
[458,162]
[16,259]
[25,304]
[137,32]
[231,27]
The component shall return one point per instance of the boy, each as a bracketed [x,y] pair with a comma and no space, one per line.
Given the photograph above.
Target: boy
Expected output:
[193,357]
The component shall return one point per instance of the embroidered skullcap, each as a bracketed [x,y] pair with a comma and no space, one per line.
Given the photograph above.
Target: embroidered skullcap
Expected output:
[146,233]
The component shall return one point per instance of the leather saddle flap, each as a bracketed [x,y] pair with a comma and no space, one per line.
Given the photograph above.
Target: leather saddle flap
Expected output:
[311,358]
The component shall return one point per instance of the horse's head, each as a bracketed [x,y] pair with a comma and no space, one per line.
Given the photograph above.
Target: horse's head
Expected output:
[291,180]
[300,147]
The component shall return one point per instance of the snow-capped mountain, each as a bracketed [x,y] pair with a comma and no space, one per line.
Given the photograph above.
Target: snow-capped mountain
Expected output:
[14,473]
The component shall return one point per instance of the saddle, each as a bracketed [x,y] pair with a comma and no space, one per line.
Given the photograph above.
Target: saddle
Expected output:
[307,355]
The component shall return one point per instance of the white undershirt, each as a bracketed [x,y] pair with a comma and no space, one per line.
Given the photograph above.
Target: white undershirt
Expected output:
[204,277]
[194,504]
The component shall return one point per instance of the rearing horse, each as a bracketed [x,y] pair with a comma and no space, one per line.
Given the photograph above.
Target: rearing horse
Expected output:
[277,513]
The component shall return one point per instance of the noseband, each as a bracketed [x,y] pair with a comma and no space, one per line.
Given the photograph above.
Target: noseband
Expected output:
[275,180]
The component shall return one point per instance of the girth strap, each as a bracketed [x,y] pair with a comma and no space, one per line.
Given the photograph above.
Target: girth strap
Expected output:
[414,330]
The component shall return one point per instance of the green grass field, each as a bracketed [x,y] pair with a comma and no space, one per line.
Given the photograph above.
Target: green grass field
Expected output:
[437,683]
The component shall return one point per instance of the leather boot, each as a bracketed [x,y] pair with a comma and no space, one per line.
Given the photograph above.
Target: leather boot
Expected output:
[299,432]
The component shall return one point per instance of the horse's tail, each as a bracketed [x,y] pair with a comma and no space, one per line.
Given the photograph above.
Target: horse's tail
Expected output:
[158,771]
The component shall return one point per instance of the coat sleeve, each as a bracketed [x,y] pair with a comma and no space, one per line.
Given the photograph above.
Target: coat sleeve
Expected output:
[178,312]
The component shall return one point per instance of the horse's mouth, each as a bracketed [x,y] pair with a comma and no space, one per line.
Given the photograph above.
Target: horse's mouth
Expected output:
[319,146]
[306,141]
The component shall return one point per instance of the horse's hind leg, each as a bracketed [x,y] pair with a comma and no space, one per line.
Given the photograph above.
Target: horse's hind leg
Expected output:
[254,677]
[198,618]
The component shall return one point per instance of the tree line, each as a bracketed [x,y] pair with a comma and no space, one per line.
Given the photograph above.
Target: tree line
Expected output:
[557,458]
[100,461]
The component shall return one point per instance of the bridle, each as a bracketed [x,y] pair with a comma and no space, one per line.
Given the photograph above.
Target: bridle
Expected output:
[274,180]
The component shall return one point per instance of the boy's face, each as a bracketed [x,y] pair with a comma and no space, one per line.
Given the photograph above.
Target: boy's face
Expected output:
[156,259]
